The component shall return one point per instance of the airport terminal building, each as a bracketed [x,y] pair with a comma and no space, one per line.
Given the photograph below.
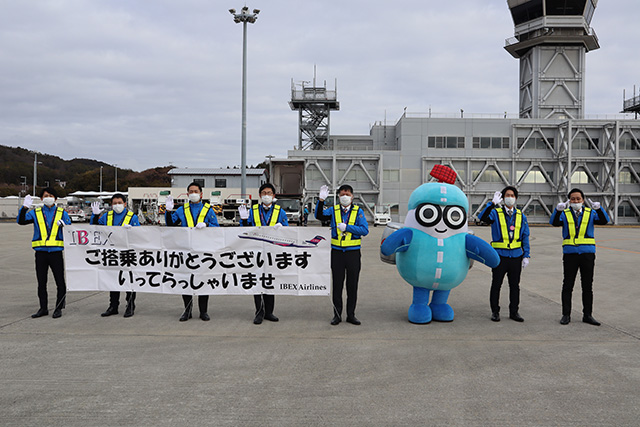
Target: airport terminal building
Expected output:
[544,152]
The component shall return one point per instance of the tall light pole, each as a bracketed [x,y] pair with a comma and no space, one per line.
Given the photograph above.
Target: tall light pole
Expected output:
[245,17]
[116,190]
[35,172]
[101,179]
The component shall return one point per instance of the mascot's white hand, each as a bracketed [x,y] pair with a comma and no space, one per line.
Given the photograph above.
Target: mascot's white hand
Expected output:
[60,223]
[169,203]
[278,225]
[324,193]
[127,226]
[342,226]
[562,205]
[200,225]
[243,211]
[95,208]
[497,198]
[28,201]
[594,205]
[525,262]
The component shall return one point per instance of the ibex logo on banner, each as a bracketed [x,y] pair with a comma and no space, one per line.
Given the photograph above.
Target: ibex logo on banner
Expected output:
[91,238]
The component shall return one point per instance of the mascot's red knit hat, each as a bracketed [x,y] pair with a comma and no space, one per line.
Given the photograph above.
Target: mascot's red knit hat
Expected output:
[443,174]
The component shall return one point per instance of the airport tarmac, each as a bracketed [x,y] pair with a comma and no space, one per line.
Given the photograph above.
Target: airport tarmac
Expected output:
[150,369]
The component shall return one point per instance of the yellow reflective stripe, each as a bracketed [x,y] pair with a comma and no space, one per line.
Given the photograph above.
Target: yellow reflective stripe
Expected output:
[110,218]
[256,216]
[127,219]
[187,215]
[574,240]
[52,238]
[345,239]
[201,217]
[274,215]
[505,243]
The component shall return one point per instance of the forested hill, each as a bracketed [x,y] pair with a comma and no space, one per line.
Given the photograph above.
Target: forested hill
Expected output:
[75,174]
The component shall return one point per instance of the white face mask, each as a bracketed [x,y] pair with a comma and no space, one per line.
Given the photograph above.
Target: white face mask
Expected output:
[118,208]
[510,201]
[345,200]
[266,199]
[194,197]
[49,201]
[576,206]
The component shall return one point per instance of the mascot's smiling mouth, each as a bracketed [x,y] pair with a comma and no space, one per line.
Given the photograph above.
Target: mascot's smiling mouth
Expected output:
[443,231]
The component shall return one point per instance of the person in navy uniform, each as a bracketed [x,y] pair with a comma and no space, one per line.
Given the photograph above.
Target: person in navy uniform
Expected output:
[348,226]
[578,250]
[194,214]
[266,213]
[510,239]
[118,216]
[48,245]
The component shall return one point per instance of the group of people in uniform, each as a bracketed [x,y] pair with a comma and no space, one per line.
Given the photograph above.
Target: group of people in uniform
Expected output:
[509,230]
[510,239]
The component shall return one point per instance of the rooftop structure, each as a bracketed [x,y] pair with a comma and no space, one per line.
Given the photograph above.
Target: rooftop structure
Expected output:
[314,104]
[551,39]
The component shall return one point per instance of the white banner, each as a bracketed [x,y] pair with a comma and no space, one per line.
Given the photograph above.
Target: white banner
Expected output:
[209,261]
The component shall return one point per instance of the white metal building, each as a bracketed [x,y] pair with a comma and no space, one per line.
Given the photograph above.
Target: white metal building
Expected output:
[549,149]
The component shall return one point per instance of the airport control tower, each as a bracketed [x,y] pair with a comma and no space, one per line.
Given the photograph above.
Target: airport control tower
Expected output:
[314,104]
[551,40]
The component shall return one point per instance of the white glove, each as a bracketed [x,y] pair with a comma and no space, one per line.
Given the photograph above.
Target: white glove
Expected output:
[95,208]
[28,201]
[60,223]
[497,198]
[201,225]
[127,226]
[278,225]
[324,193]
[594,205]
[525,262]
[169,203]
[342,226]
[562,205]
[243,211]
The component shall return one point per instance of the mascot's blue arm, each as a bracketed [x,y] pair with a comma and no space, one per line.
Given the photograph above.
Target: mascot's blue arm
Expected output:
[481,251]
[398,241]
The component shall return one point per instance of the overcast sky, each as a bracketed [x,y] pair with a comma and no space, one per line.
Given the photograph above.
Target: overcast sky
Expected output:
[144,83]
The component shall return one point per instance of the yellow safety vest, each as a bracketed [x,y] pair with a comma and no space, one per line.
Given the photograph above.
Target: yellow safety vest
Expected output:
[274,215]
[506,243]
[189,217]
[345,239]
[125,221]
[52,238]
[580,239]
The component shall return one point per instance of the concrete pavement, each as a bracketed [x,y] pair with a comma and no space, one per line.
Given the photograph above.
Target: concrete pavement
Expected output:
[84,370]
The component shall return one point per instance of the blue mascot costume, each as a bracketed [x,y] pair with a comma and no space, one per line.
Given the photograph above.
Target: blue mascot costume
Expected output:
[434,247]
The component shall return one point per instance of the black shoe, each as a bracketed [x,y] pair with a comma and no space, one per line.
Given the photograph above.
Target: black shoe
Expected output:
[565,320]
[258,319]
[40,313]
[128,312]
[336,319]
[110,311]
[590,320]
[495,316]
[205,317]
[271,318]
[185,316]
[57,313]
[353,320]
[516,317]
